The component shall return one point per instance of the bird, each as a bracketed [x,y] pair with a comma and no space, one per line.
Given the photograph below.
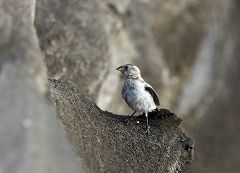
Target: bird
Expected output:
[138,94]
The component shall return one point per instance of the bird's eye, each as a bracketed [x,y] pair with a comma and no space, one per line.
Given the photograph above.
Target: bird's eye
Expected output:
[126,67]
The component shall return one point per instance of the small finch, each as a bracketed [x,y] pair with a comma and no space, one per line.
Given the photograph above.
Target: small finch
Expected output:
[139,95]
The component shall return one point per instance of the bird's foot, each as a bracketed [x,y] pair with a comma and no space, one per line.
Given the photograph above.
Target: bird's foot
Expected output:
[147,131]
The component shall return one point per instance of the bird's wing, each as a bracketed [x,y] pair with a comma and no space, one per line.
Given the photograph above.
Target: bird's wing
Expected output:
[153,93]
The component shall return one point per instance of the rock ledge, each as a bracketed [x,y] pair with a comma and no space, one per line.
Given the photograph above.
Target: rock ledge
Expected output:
[107,143]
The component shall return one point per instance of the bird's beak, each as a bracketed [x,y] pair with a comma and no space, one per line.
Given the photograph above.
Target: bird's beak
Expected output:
[121,69]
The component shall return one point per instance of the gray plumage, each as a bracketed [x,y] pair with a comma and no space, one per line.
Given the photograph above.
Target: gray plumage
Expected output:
[139,95]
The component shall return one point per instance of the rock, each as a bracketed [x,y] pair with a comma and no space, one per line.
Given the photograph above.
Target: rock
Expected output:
[27,122]
[74,42]
[106,143]
[84,41]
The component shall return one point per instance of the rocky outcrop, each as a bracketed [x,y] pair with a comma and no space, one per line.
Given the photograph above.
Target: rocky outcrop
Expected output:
[108,143]
[186,49]
[31,138]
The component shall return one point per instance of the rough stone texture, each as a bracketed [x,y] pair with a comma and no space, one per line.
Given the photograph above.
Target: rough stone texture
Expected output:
[27,123]
[72,38]
[107,143]
[187,49]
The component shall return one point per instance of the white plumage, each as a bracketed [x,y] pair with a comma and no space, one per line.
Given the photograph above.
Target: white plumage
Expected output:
[138,94]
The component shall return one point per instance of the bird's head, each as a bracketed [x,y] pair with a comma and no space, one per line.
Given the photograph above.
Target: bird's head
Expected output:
[129,71]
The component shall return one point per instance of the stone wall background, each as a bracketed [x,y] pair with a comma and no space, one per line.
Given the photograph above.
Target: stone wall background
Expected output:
[187,49]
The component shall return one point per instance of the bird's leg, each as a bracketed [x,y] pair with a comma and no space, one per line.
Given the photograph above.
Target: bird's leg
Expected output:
[130,117]
[133,113]
[147,128]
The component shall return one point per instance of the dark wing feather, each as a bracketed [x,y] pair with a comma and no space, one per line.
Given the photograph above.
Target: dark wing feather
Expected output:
[153,94]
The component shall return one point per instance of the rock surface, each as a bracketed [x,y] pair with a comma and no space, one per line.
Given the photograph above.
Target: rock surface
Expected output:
[73,40]
[107,143]
[187,49]
[27,122]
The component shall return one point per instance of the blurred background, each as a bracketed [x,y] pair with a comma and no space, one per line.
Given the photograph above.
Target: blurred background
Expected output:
[188,50]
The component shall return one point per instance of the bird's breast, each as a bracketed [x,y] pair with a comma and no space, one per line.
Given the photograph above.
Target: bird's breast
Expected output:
[130,89]
[136,97]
